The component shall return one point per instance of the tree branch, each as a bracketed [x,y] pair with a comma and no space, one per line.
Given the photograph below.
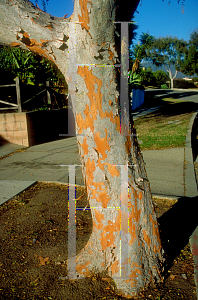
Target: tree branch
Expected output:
[175,74]
[23,25]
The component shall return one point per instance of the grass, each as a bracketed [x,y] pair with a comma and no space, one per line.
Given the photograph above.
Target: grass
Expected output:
[167,127]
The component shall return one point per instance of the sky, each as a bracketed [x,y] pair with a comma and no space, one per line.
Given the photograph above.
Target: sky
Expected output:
[156,17]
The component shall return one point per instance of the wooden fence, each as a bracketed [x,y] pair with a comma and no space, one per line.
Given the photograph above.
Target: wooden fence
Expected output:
[18,105]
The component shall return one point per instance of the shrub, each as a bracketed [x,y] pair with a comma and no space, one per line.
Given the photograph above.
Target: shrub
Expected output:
[160,77]
[134,81]
[164,86]
[147,77]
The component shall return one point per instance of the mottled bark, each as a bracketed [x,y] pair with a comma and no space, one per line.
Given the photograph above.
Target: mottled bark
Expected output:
[22,25]
[121,206]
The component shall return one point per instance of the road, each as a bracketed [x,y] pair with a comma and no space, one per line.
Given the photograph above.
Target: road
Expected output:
[187,95]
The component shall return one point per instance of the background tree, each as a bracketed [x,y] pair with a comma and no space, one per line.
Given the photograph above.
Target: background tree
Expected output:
[189,65]
[161,77]
[147,77]
[194,39]
[139,51]
[168,51]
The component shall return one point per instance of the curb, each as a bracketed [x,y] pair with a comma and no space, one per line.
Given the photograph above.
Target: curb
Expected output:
[15,188]
[190,185]
[9,149]
[166,197]
[62,183]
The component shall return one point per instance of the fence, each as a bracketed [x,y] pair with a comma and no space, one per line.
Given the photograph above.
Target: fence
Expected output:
[18,105]
[18,93]
[41,92]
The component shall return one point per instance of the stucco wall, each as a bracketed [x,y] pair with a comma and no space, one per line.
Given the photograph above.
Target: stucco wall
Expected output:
[32,128]
[13,128]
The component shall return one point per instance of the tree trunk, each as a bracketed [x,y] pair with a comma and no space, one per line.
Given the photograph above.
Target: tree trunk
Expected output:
[171,77]
[125,239]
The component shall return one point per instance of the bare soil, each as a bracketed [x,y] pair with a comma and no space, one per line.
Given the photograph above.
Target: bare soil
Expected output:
[33,255]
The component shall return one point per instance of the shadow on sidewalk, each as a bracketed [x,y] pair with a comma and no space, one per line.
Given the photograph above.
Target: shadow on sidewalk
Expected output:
[169,94]
[174,109]
[177,225]
[155,98]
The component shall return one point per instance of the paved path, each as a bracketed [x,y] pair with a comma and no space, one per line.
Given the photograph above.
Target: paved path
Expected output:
[38,163]
[187,95]
[165,170]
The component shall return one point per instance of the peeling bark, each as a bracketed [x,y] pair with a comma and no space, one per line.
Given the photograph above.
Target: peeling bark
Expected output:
[112,165]
[23,25]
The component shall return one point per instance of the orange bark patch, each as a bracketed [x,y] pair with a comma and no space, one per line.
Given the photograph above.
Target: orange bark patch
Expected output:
[135,273]
[146,238]
[42,52]
[95,99]
[85,15]
[103,198]
[81,267]
[15,44]
[49,26]
[85,147]
[113,170]
[80,123]
[102,147]
[33,42]
[26,35]
[134,217]
[90,168]
[135,214]
[34,46]
[33,21]
[43,41]
[109,233]
[95,107]
[99,217]
[115,267]
[110,53]
[100,193]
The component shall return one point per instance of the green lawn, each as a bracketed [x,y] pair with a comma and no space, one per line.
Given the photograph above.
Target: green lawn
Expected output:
[167,127]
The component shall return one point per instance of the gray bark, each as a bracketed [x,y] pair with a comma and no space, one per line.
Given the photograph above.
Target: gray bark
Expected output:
[102,148]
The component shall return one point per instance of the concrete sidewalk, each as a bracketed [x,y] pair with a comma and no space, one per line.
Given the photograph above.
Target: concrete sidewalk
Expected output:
[38,163]
[165,168]
[166,171]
